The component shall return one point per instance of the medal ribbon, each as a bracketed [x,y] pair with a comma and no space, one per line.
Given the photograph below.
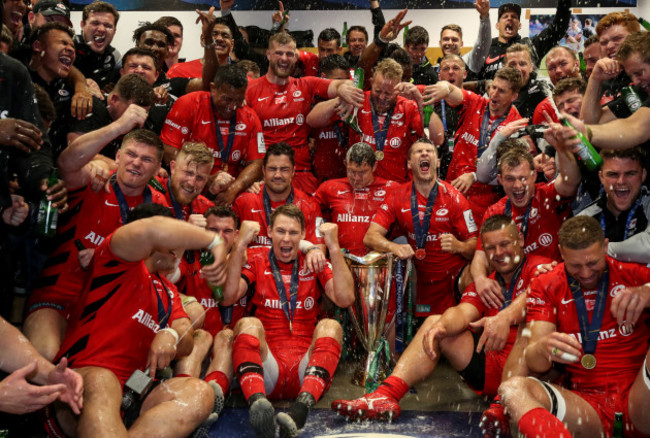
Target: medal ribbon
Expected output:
[630,215]
[343,139]
[267,204]
[524,221]
[178,212]
[590,329]
[224,150]
[421,229]
[288,305]
[121,199]
[487,129]
[509,292]
[163,317]
[380,134]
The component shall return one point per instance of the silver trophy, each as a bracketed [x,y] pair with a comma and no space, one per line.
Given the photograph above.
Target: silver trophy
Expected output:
[373,275]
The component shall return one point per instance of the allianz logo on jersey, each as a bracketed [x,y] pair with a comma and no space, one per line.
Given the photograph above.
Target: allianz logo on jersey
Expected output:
[275,121]
[95,239]
[545,240]
[307,304]
[263,240]
[469,138]
[146,320]
[430,237]
[608,333]
[347,217]
[327,135]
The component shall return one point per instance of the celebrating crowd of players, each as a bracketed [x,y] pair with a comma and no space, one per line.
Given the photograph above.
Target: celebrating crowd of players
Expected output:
[203,207]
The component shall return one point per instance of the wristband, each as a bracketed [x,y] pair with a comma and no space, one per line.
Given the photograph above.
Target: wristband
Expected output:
[474,175]
[173,332]
[188,300]
[207,46]
[216,241]
[380,41]
[310,248]
[449,89]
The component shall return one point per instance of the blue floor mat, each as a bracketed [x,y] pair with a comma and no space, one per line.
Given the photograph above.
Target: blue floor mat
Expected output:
[233,423]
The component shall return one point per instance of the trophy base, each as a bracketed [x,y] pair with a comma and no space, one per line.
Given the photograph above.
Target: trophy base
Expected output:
[360,375]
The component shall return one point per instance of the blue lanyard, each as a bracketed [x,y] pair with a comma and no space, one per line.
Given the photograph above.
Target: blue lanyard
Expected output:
[343,139]
[590,329]
[380,134]
[288,305]
[178,210]
[121,199]
[513,282]
[444,116]
[224,150]
[630,215]
[163,317]
[487,129]
[266,201]
[524,221]
[421,229]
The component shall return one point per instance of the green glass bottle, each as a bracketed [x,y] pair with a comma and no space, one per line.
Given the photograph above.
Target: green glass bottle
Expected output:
[406,29]
[205,259]
[154,183]
[632,99]
[47,213]
[357,80]
[583,63]
[644,23]
[587,154]
[619,429]
[427,111]
[344,34]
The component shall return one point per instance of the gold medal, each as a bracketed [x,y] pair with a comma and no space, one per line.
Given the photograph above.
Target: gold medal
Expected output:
[379,155]
[588,361]
[225,167]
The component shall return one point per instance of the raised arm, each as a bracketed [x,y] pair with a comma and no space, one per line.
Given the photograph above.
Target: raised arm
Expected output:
[591,110]
[340,289]
[236,286]
[475,58]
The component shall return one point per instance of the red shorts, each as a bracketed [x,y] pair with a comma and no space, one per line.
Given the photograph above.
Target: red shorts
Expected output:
[606,403]
[288,356]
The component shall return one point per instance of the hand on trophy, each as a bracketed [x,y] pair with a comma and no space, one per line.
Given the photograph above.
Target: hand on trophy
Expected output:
[248,232]
[404,251]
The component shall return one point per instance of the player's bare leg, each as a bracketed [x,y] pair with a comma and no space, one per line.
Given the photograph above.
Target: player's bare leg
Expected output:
[45,329]
[190,366]
[530,405]
[639,399]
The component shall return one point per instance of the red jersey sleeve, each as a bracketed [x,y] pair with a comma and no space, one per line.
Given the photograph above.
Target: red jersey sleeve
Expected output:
[318,86]
[463,219]
[541,304]
[325,275]
[470,296]
[175,130]
[385,215]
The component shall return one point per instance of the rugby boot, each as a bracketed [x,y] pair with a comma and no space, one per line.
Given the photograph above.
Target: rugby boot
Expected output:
[261,415]
[371,406]
[495,423]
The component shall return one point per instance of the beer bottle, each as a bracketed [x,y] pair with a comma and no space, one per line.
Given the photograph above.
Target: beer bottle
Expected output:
[154,183]
[632,99]
[205,259]
[644,23]
[358,82]
[427,110]
[344,34]
[587,154]
[47,213]
[406,29]
[619,429]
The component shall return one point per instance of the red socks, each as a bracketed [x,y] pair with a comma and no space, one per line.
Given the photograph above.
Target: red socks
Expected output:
[322,365]
[247,362]
[220,378]
[393,387]
[541,423]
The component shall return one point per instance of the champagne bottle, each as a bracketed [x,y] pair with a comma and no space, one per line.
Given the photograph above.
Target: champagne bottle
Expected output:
[587,154]
[205,259]
[357,80]
[632,99]
[619,428]
[47,213]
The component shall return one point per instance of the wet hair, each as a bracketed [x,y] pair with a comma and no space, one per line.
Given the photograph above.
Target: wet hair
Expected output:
[389,69]
[333,62]
[514,155]
[289,210]
[140,51]
[144,136]
[356,29]
[456,28]
[360,153]
[570,84]
[170,21]
[143,211]
[330,34]
[511,75]
[571,53]
[635,43]
[400,56]
[591,40]
[100,6]
[232,75]
[636,154]
[518,47]
[250,67]
[421,140]
[623,18]
[39,33]
[415,36]
[452,57]
[580,232]
[136,88]
[498,222]
[198,152]
[45,105]
[222,211]
[137,34]
[280,149]
[281,39]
